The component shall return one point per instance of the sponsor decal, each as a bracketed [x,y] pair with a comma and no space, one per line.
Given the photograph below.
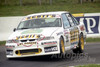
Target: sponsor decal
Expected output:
[48,43]
[50,49]
[74,35]
[73,43]
[66,32]
[32,31]
[67,38]
[27,43]
[42,16]
[82,28]
[27,36]
[10,46]
[92,24]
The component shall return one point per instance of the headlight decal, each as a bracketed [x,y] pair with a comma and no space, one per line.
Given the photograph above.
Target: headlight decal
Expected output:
[10,46]
[9,52]
[45,38]
[48,43]
[13,41]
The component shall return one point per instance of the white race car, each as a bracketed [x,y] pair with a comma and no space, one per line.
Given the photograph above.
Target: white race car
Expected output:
[46,34]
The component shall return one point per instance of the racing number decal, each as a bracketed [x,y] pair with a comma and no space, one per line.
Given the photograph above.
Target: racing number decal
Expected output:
[74,36]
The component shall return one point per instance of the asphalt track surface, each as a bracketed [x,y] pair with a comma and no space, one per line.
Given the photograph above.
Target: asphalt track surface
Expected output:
[91,55]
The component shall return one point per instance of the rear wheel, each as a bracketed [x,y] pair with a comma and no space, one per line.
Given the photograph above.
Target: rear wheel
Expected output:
[80,48]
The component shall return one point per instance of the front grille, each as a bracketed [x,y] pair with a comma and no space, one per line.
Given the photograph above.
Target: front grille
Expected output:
[31,39]
[28,51]
[23,40]
[27,40]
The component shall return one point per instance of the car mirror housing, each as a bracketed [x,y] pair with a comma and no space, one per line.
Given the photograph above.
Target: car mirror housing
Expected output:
[14,29]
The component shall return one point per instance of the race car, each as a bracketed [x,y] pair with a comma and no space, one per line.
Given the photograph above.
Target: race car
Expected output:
[46,33]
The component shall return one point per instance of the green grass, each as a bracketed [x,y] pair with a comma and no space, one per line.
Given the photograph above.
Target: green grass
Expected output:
[93,40]
[87,40]
[91,65]
[12,8]
[2,42]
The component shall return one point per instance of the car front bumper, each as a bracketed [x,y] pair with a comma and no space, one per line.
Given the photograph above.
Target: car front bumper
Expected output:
[38,49]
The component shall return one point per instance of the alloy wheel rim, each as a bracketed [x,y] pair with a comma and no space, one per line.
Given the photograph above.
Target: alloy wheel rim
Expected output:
[62,46]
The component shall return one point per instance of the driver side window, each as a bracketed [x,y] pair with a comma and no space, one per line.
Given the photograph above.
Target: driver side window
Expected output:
[70,19]
[65,21]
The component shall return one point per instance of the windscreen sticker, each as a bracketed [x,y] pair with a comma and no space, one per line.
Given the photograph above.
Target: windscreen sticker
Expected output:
[42,16]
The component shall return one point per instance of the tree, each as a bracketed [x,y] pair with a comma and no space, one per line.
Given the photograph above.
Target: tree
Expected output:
[20,2]
[80,1]
[50,2]
[5,1]
[39,1]
[92,0]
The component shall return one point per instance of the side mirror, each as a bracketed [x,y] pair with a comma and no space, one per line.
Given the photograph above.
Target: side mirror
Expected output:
[14,29]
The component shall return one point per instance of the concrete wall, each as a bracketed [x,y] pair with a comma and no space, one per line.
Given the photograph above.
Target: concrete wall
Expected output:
[7,24]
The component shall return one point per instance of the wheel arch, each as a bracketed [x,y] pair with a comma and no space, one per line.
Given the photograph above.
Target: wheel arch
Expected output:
[81,34]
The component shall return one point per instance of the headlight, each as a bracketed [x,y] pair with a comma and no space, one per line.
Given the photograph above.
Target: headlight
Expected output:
[12,41]
[45,38]
[9,52]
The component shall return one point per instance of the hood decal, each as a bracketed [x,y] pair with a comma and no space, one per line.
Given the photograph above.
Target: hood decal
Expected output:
[32,31]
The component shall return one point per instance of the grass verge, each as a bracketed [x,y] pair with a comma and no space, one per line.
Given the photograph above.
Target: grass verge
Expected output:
[2,43]
[90,65]
[93,40]
[58,5]
[87,40]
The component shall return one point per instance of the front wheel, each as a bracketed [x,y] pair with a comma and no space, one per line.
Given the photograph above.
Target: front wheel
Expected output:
[80,48]
[62,47]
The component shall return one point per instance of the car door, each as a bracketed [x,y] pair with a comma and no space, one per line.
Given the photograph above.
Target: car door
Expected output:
[74,31]
[66,27]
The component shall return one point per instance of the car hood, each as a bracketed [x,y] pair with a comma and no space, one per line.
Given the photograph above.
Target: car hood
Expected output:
[44,31]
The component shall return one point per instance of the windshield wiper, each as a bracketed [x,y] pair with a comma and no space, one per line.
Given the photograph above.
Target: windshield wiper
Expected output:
[24,28]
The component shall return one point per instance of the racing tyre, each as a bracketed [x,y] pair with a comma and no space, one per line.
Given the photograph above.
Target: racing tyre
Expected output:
[80,48]
[62,47]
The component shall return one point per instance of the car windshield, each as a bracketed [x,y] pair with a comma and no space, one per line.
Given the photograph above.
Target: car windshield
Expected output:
[39,23]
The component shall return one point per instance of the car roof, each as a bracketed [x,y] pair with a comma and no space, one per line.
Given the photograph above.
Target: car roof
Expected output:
[45,13]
